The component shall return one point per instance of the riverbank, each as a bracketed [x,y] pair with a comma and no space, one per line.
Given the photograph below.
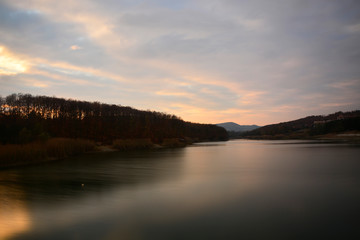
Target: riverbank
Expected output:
[14,155]
[349,137]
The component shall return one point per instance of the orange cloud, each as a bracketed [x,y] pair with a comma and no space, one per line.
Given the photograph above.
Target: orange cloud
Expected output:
[75,47]
[10,64]
[72,70]
[36,83]
[251,97]
[173,93]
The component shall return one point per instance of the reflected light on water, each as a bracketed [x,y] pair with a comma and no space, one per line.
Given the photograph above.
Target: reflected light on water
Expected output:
[288,191]
[14,216]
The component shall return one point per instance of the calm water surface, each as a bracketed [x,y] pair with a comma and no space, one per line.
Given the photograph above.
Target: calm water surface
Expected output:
[230,190]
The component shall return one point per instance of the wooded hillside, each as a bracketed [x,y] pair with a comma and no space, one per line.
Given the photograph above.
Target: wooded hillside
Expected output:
[25,118]
[309,126]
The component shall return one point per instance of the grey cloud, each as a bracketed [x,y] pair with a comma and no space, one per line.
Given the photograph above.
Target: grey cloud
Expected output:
[176,21]
[32,33]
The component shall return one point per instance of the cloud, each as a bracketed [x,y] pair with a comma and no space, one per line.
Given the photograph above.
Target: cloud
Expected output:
[75,47]
[171,93]
[257,61]
[11,64]
[355,28]
[34,82]
[346,84]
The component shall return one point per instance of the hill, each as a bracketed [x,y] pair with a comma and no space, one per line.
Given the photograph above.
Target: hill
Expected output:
[309,127]
[25,118]
[234,127]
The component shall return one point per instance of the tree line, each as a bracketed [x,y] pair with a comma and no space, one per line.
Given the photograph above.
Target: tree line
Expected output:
[25,118]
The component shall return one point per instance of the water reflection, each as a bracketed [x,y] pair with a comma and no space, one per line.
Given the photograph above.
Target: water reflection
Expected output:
[14,216]
[243,189]
[58,194]
[96,173]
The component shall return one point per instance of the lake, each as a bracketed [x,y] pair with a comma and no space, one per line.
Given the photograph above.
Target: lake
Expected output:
[221,190]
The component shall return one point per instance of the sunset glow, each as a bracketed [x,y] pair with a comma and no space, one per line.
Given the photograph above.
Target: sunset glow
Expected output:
[9,64]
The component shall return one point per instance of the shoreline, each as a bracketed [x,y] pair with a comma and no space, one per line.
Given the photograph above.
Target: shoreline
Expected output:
[20,155]
[38,153]
[348,137]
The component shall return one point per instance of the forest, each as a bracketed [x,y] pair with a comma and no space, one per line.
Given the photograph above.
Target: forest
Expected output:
[308,127]
[25,118]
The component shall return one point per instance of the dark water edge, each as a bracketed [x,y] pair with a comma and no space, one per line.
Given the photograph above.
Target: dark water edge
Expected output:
[35,153]
[329,138]
[219,190]
[17,155]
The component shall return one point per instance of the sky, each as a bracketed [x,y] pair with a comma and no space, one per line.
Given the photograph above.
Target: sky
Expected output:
[206,61]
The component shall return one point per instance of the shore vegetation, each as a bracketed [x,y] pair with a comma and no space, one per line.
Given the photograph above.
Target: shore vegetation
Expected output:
[53,149]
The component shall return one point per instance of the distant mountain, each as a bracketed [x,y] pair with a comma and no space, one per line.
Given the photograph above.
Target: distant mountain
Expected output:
[234,127]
